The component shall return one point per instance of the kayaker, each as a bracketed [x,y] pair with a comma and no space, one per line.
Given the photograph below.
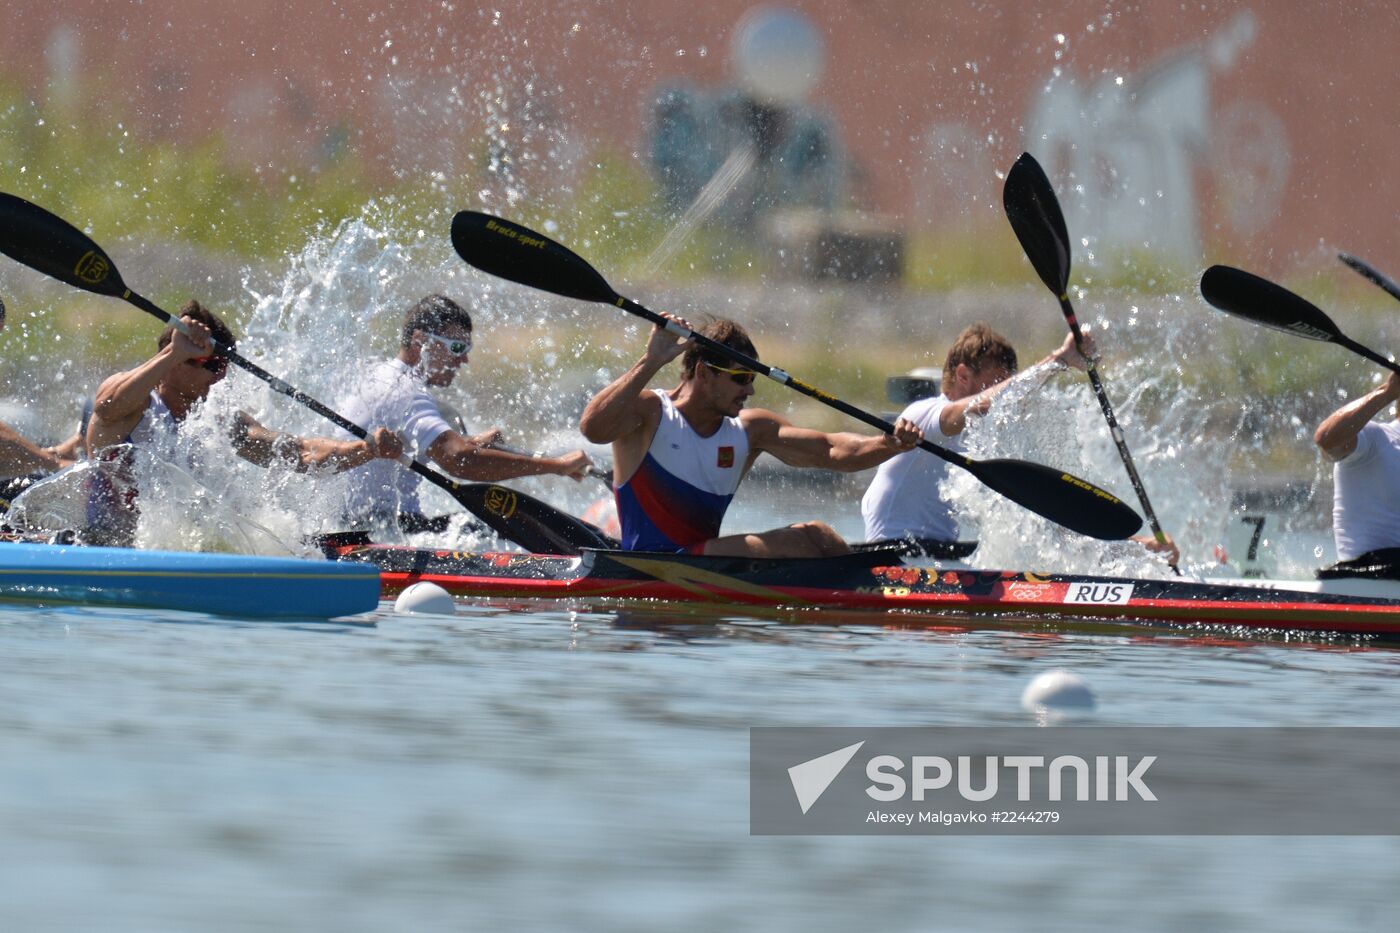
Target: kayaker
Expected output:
[904,501]
[679,455]
[1365,477]
[434,343]
[131,407]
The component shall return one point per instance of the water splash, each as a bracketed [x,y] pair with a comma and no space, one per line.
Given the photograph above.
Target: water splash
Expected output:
[1195,446]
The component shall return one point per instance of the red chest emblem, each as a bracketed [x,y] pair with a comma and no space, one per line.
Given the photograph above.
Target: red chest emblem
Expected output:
[725,459]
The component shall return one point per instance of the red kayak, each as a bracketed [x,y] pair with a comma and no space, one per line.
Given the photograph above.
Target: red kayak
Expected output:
[884,581]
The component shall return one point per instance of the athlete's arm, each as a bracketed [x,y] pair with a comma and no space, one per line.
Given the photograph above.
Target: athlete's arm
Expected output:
[19,455]
[467,458]
[1338,431]
[842,451]
[261,445]
[122,399]
[624,407]
[952,419]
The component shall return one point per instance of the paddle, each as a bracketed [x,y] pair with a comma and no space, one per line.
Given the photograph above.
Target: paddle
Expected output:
[521,255]
[1035,216]
[1261,301]
[48,244]
[1370,272]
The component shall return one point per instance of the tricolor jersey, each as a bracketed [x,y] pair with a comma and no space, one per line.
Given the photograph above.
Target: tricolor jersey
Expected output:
[677,498]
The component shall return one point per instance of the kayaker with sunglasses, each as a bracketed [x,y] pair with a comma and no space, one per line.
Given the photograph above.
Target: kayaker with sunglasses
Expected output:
[131,407]
[435,342]
[679,455]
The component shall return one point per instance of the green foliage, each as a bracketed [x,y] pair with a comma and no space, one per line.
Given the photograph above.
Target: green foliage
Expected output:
[88,167]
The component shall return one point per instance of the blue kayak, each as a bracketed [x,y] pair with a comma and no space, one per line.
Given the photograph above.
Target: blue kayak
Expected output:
[223,584]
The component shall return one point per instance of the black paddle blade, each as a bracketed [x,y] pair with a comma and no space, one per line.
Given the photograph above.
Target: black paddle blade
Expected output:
[521,255]
[1261,301]
[49,244]
[1035,216]
[1059,496]
[530,523]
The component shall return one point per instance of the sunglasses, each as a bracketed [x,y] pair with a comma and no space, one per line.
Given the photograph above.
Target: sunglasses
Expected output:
[215,364]
[457,347]
[741,377]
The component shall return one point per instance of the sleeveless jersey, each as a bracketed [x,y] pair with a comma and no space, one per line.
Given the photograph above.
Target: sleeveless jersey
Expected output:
[677,498]
[111,495]
[1366,492]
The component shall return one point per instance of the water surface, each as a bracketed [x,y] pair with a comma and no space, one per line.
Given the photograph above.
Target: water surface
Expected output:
[548,769]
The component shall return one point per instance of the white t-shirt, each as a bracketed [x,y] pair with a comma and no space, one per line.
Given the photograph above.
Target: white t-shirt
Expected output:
[393,396]
[1366,492]
[903,498]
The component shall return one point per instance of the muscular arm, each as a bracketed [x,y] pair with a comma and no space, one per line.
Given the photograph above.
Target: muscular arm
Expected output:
[952,420]
[123,398]
[263,446]
[1338,431]
[844,452]
[624,406]
[466,458]
[624,414]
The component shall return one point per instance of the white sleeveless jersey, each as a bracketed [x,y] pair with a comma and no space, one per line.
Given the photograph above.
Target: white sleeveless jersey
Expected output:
[1366,493]
[903,498]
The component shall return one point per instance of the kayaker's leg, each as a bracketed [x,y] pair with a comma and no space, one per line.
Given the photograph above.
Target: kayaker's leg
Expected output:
[807,539]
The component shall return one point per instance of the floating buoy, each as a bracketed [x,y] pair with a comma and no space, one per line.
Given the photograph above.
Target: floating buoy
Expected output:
[1057,690]
[425,599]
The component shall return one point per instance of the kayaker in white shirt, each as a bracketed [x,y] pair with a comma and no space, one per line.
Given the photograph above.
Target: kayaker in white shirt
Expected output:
[157,395]
[903,500]
[1365,475]
[435,342]
[679,455]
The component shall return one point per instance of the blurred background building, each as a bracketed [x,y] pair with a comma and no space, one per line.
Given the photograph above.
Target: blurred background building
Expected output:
[1248,132]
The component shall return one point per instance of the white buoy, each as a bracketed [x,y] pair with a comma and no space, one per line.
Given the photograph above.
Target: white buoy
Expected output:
[425,599]
[1057,690]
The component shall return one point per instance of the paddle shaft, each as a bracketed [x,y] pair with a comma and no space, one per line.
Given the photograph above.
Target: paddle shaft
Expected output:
[291,391]
[1367,352]
[1114,430]
[1374,275]
[1371,273]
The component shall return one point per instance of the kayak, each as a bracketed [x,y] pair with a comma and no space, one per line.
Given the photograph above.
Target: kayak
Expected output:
[883,580]
[222,584]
